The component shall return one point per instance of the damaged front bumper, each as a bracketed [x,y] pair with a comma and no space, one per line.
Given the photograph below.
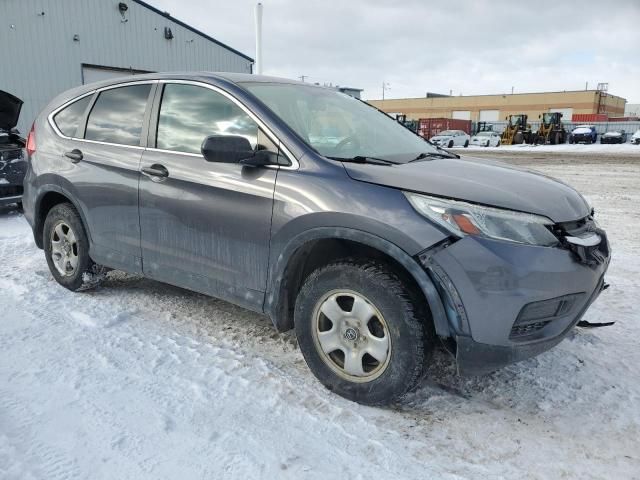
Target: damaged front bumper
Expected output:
[13,167]
[506,302]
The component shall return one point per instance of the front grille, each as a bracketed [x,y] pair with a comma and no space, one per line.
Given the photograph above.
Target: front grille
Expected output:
[10,190]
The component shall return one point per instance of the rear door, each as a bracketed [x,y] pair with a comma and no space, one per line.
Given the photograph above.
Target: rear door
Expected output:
[205,226]
[104,171]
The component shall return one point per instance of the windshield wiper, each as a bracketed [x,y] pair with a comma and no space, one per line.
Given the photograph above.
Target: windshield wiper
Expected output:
[443,154]
[365,159]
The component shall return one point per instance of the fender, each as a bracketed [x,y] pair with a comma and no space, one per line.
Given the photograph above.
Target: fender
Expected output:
[275,307]
[42,190]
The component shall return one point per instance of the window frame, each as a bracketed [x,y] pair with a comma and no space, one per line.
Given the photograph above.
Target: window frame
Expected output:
[155,115]
[82,126]
[150,120]
[81,118]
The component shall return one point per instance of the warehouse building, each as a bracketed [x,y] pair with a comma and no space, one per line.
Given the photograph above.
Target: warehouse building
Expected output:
[492,108]
[52,45]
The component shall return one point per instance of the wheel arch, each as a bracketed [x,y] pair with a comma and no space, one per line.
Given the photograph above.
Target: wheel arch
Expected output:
[48,197]
[320,246]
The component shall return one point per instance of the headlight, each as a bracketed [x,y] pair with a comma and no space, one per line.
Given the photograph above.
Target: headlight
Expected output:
[462,218]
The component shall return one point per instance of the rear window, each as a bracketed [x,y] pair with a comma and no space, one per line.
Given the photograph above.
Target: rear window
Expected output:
[68,119]
[118,114]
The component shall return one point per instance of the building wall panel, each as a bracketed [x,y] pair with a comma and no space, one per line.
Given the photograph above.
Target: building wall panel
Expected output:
[49,61]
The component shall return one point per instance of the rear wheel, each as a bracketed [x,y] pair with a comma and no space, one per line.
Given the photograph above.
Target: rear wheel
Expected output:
[361,331]
[66,249]
[450,144]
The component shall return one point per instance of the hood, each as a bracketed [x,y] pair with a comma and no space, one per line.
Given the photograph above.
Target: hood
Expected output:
[612,134]
[441,137]
[637,134]
[581,130]
[479,181]
[9,110]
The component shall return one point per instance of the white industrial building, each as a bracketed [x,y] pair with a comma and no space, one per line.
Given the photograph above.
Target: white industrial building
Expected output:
[52,45]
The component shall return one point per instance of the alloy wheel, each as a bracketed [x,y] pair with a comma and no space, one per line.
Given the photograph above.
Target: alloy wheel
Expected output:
[64,249]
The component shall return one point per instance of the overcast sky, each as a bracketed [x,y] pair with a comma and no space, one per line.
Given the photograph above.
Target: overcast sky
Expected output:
[467,47]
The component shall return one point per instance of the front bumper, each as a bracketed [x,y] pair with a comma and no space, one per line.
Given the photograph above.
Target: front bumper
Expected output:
[492,286]
[13,167]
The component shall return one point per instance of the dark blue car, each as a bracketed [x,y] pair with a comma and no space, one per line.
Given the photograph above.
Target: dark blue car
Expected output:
[583,134]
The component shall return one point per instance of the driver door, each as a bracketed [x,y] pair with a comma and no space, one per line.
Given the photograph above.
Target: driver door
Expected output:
[205,225]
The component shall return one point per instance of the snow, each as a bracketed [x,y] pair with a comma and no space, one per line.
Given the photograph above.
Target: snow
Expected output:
[596,148]
[142,380]
[580,130]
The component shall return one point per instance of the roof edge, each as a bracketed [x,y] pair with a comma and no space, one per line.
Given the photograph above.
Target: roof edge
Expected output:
[193,29]
[497,95]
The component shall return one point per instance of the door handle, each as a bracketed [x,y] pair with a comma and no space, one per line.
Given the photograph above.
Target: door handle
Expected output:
[155,171]
[74,155]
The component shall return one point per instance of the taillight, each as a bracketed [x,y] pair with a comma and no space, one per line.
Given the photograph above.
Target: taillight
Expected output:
[31,141]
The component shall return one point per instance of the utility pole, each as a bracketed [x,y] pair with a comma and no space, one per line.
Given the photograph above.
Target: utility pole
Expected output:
[385,86]
[259,39]
[302,77]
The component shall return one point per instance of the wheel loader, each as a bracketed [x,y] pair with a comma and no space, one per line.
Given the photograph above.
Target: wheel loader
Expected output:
[517,130]
[551,129]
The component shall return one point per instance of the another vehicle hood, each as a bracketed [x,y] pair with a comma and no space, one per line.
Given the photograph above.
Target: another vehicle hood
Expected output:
[613,134]
[442,137]
[480,181]
[9,110]
[637,134]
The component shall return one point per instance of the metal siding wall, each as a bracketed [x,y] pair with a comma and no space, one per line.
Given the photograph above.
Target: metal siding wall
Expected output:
[48,61]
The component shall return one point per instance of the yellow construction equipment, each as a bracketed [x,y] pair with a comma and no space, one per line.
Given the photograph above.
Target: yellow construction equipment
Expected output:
[551,129]
[517,130]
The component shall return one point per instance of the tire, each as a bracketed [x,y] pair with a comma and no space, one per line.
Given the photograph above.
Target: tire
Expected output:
[518,138]
[498,144]
[393,313]
[466,143]
[69,260]
[450,144]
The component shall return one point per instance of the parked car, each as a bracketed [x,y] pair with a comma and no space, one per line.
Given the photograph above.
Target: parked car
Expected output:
[12,160]
[583,134]
[635,138]
[451,138]
[617,136]
[376,248]
[486,139]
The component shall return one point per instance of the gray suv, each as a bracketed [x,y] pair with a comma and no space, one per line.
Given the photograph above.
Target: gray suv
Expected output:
[319,211]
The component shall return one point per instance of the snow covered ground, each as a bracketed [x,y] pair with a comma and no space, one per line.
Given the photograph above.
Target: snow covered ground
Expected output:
[596,148]
[140,380]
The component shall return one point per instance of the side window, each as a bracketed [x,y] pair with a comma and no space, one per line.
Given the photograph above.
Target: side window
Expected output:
[189,114]
[117,115]
[68,119]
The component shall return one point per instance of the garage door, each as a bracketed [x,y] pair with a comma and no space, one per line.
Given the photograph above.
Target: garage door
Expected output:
[489,115]
[95,73]
[461,114]
[567,113]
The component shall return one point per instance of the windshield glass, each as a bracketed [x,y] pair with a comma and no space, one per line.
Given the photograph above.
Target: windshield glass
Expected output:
[338,125]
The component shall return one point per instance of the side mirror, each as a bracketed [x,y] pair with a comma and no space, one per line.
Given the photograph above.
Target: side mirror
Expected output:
[226,148]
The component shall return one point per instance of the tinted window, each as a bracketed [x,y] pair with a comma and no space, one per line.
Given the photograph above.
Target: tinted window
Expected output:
[189,113]
[117,115]
[67,120]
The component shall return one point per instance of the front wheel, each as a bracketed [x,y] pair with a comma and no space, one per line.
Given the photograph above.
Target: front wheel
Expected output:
[450,144]
[66,249]
[362,332]
[466,143]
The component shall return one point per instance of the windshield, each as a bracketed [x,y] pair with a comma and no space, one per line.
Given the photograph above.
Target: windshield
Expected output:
[337,125]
